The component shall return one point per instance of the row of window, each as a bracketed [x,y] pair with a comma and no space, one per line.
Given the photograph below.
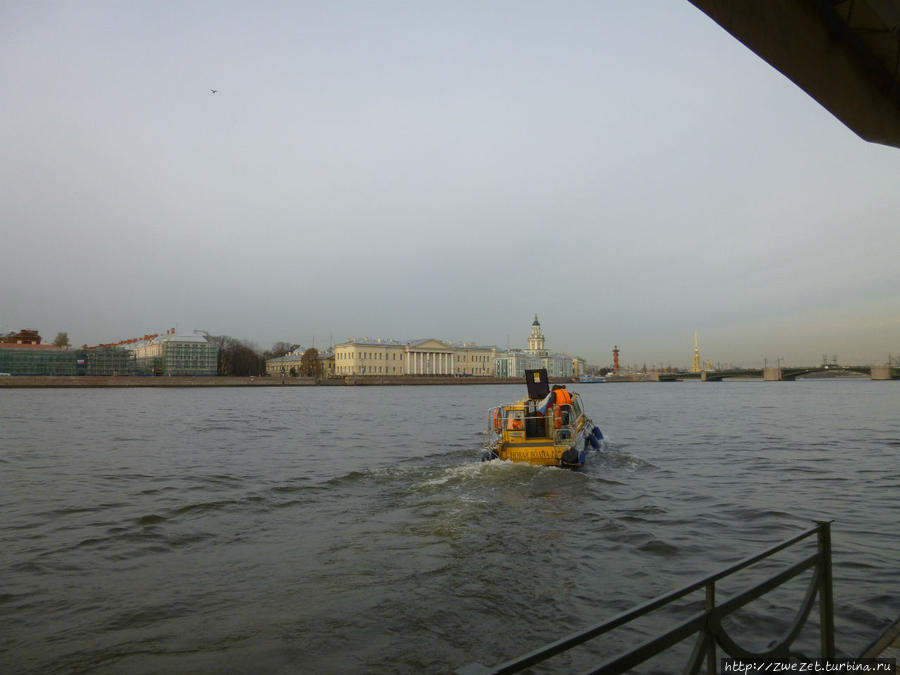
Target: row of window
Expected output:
[369,370]
[364,355]
[356,356]
[394,370]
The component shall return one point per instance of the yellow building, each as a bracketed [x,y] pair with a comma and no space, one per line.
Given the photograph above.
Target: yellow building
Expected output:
[327,361]
[472,360]
[578,364]
[365,356]
[289,365]
[384,356]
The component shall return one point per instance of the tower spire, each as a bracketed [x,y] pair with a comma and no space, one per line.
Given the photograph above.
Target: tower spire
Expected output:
[536,339]
[695,367]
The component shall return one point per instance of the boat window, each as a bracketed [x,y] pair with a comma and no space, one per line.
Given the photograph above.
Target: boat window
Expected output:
[576,405]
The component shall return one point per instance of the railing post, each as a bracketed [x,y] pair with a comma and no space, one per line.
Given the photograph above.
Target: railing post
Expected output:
[711,668]
[826,598]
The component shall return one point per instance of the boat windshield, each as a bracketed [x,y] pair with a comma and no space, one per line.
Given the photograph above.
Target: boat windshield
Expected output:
[576,405]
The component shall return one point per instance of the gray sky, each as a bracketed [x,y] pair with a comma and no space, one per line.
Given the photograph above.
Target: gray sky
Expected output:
[626,170]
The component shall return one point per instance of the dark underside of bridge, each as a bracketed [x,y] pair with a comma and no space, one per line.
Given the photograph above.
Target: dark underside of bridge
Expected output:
[843,53]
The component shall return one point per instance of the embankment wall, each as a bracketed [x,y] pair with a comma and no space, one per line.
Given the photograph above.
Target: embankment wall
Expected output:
[35,381]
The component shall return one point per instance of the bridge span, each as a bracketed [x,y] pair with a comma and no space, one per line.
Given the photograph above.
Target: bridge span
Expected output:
[780,374]
[783,373]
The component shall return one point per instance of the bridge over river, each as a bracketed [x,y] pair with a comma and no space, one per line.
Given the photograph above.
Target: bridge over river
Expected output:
[785,373]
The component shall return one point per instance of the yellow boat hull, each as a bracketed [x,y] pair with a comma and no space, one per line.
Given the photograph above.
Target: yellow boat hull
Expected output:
[537,454]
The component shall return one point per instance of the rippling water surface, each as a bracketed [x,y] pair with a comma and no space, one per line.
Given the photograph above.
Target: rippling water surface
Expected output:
[354,529]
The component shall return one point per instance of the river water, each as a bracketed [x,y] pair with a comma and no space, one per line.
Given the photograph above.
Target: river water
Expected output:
[353,529]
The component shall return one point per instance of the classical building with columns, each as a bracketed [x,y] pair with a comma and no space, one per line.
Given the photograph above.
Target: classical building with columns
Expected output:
[428,356]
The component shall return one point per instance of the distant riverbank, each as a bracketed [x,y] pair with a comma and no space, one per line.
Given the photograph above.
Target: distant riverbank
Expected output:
[75,381]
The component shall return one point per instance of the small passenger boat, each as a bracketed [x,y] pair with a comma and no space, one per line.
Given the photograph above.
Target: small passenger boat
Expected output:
[546,428]
[588,379]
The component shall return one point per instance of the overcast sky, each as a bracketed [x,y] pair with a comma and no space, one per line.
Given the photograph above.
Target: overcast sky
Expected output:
[626,170]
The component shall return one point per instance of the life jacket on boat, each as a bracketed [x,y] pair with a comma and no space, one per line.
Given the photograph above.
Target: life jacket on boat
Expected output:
[515,424]
[562,397]
[497,423]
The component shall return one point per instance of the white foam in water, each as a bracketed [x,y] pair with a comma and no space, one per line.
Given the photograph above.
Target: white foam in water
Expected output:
[474,470]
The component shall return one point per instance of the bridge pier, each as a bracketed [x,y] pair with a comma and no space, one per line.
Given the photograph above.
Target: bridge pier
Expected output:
[772,374]
[881,372]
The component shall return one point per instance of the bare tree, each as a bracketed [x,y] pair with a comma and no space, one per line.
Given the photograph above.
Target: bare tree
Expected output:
[237,357]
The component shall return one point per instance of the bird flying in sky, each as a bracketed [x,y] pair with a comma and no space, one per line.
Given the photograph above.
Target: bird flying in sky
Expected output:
[215,91]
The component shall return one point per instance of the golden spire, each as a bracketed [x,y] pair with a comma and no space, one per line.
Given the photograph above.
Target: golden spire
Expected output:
[695,368]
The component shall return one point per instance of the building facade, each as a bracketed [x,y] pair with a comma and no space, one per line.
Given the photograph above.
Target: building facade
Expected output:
[173,354]
[290,365]
[23,337]
[514,362]
[367,356]
[287,365]
[428,356]
[472,360]
[578,366]
[36,359]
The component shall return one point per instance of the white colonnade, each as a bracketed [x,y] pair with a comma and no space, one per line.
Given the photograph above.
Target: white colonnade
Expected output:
[424,362]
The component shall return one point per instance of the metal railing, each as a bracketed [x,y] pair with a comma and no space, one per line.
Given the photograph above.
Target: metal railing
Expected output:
[548,423]
[707,625]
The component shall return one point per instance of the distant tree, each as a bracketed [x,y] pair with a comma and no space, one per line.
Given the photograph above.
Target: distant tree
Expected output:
[237,357]
[278,349]
[61,340]
[310,364]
